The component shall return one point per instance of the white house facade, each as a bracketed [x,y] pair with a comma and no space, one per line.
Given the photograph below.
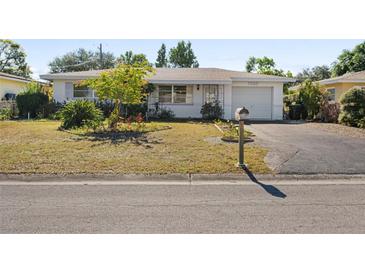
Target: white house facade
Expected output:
[185,90]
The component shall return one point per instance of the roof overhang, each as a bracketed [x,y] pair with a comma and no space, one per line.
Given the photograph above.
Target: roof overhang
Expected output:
[52,77]
[336,81]
[15,79]
[192,82]
[279,80]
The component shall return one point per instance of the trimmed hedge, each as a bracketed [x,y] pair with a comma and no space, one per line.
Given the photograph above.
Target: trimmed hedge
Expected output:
[31,102]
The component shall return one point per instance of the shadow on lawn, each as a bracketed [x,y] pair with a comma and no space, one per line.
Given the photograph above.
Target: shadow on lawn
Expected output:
[115,138]
[272,190]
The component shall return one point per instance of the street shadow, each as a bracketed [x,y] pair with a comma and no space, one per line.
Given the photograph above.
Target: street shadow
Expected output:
[272,190]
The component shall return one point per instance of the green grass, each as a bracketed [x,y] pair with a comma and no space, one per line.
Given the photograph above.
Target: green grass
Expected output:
[39,147]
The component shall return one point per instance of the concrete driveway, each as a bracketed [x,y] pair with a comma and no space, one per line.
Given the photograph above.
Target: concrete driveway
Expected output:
[303,149]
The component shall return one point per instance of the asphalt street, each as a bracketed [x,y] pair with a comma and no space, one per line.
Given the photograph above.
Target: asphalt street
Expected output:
[247,208]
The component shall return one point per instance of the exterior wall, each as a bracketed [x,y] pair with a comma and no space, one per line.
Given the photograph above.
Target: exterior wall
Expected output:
[59,91]
[10,86]
[227,102]
[63,91]
[342,87]
[277,96]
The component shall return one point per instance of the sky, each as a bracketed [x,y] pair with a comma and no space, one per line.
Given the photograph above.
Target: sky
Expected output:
[293,55]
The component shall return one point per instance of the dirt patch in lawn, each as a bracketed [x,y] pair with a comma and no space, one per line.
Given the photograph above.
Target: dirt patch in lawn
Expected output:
[39,147]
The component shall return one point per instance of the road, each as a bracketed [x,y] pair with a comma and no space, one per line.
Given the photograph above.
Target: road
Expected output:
[246,208]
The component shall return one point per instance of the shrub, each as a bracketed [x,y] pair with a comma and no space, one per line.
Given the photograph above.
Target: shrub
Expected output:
[166,114]
[330,112]
[81,113]
[161,113]
[30,103]
[5,113]
[106,107]
[297,112]
[134,109]
[50,110]
[353,108]
[291,99]
[311,95]
[361,123]
[211,111]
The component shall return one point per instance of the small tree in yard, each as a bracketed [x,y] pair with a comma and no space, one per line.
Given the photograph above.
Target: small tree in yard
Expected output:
[123,85]
[311,95]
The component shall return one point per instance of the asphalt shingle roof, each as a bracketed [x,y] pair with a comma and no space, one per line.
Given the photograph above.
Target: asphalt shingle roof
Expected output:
[180,74]
[352,76]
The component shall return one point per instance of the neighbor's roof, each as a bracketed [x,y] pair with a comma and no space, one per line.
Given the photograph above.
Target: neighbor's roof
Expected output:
[14,77]
[352,77]
[181,75]
[8,76]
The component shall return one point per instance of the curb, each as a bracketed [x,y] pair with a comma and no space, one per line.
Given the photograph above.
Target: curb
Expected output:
[174,178]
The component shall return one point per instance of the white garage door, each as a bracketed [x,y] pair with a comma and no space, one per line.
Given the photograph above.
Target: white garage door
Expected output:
[258,101]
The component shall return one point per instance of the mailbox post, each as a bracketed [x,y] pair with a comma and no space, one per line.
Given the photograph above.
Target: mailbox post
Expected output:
[240,115]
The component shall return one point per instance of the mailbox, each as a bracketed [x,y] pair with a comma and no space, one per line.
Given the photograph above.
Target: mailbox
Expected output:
[241,114]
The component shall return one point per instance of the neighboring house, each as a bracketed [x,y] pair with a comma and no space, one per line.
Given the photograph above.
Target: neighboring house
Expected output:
[338,85]
[11,85]
[185,90]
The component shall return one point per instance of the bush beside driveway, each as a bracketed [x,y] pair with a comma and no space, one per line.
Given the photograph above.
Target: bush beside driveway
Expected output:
[38,147]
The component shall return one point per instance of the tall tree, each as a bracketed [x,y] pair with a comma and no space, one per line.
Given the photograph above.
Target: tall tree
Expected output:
[350,61]
[183,56]
[316,73]
[106,61]
[12,59]
[161,61]
[265,65]
[129,58]
[80,60]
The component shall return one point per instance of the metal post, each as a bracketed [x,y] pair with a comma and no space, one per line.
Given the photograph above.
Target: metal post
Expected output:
[241,144]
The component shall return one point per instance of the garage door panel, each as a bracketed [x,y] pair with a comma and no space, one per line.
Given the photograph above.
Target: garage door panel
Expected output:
[258,100]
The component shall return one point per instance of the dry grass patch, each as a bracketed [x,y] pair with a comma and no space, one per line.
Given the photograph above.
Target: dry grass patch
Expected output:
[39,147]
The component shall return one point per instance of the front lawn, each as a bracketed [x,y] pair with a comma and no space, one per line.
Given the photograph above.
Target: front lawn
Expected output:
[189,147]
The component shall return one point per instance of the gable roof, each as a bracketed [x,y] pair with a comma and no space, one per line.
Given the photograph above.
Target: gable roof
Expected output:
[181,75]
[352,77]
